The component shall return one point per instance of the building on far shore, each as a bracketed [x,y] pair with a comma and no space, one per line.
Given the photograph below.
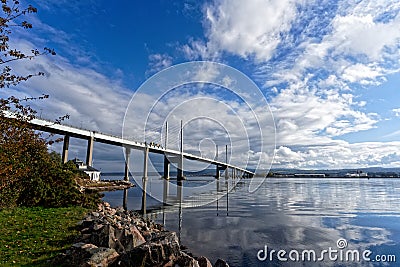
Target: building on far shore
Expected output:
[93,173]
[360,174]
[310,175]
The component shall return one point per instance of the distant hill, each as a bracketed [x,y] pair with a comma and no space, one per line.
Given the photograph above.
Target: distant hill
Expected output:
[371,172]
[370,169]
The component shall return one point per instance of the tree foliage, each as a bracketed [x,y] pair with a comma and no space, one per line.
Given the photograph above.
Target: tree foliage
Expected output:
[29,174]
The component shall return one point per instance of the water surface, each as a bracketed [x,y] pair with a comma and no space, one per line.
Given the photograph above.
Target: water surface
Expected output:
[283,214]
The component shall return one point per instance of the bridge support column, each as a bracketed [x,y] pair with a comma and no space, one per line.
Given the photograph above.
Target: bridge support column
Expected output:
[89,151]
[217,173]
[166,168]
[65,149]
[226,161]
[144,192]
[127,155]
[180,170]
[144,179]
[180,161]
[180,199]
[125,200]
[165,191]
[179,191]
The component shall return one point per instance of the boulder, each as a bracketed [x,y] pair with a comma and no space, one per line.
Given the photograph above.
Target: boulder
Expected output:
[103,257]
[82,254]
[157,252]
[184,260]
[204,262]
[112,236]
[221,263]
[116,237]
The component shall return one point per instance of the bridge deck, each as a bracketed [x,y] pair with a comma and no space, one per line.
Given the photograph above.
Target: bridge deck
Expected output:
[51,127]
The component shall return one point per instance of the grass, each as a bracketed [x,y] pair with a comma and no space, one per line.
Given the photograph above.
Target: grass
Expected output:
[33,236]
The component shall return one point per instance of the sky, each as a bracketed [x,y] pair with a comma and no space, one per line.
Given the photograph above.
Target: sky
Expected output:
[329,71]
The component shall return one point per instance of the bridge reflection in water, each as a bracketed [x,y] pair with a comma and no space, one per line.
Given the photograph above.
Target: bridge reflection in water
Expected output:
[156,198]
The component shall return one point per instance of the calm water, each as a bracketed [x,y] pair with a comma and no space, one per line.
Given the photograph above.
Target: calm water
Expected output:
[283,214]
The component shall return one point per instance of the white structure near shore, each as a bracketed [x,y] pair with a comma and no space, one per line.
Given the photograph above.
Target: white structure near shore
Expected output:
[93,173]
[359,174]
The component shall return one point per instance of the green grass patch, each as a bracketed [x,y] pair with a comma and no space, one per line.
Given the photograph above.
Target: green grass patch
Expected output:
[32,236]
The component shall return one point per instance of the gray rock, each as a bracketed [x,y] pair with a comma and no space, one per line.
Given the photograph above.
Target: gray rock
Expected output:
[160,251]
[221,263]
[115,237]
[97,227]
[184,260]
[82,254]
[204,262]
[103,257]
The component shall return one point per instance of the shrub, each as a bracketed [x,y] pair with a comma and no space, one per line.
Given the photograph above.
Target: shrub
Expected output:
[31,176]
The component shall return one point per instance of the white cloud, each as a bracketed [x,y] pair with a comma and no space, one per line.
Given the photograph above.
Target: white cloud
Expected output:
[209,120]
[198,50]
[158,62]
[362,73]
[342,155]
[90,98]
[396,112]
[286,155]
[356,34]
[325,52]
[248,28]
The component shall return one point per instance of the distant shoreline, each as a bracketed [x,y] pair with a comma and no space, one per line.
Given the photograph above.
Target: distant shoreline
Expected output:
[331,177]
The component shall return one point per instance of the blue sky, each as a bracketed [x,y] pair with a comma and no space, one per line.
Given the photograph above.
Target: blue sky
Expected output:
[329,70]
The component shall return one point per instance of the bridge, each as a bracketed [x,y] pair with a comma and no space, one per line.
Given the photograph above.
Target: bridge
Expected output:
[170,155]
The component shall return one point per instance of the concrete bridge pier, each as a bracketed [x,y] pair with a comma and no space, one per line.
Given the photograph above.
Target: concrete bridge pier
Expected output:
[180,175]
[166,167]
[180,160]
[165,191]
[179,191]
[125,200]
[144,179]
[217,174]
[89,151]
[180,199]
[64,156]
[127,156]
[227,173]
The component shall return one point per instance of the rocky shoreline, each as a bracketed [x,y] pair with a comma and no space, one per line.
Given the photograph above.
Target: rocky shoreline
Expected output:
[115,237]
